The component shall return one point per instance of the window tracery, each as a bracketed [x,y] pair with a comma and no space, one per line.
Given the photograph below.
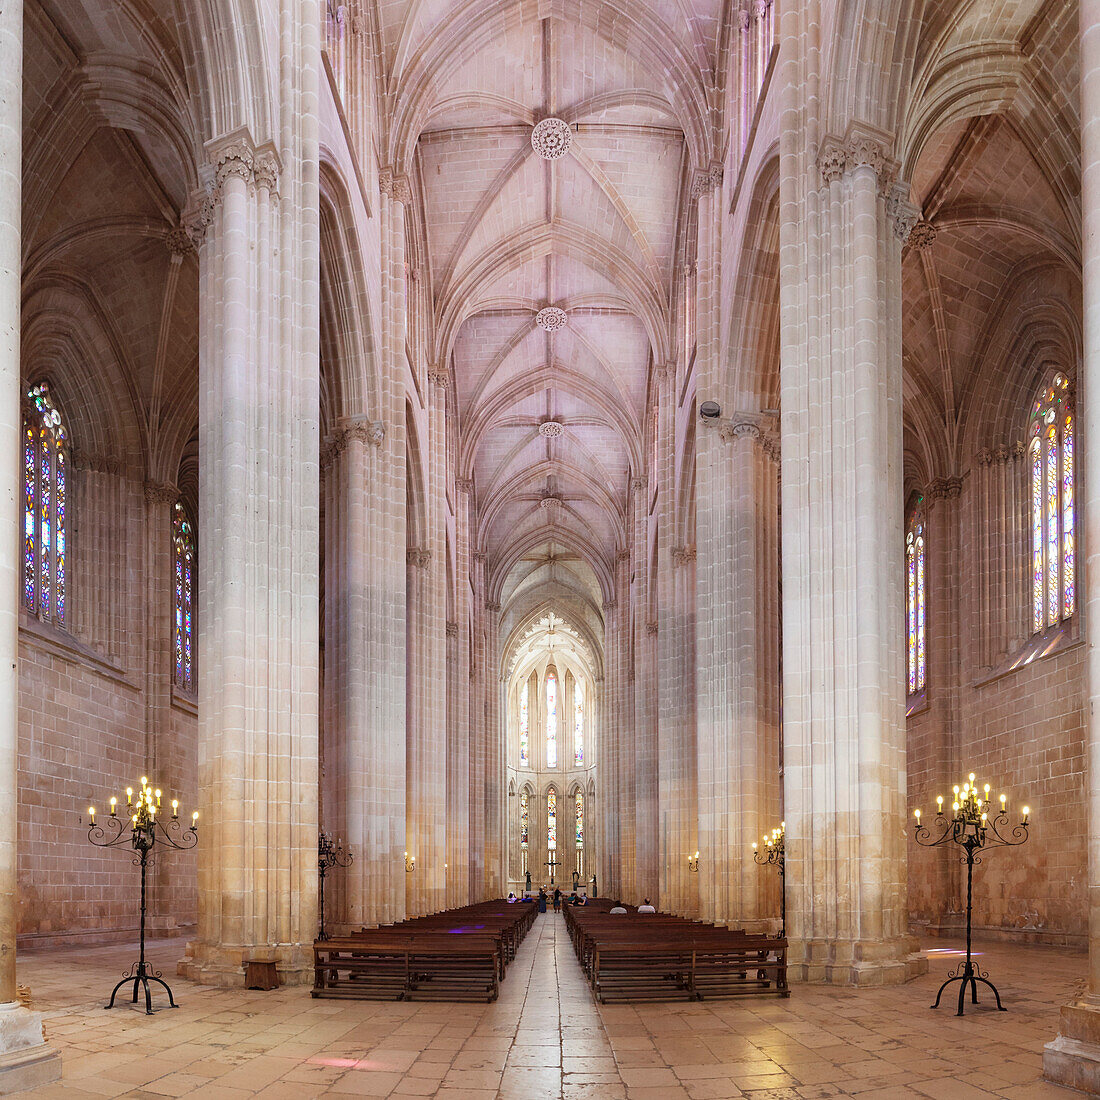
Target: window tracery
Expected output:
[45,507]
[578,724]
[551,719]
[183,552]
[1051,441]
[916,599]
[524,726]
[552,820]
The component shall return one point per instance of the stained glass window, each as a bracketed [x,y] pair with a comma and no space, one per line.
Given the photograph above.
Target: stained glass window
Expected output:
[524,819]
[578,723]
[183,544]
[524,728]
[580,818]
[1053,557]
[45,506]
[552,820]
[551,719]
[915,600]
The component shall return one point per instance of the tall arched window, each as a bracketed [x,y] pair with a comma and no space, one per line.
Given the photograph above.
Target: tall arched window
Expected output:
[45,500]
[1053,559]
[183,547]
[524,826]
[915,598]
[524,727]
[578,809]
[552,820]
[578,723]
[551,719]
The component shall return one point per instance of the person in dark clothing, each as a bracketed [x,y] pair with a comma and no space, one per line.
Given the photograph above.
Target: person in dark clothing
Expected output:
[557,899]
[542,900]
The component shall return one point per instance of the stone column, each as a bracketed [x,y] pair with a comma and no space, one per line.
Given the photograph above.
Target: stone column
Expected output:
[496,760]
[458,705]
[675,763]
[365,674]
[25,1059]
[844,679]
[480,732]
[258,555]
[737,673]
[1073,1058]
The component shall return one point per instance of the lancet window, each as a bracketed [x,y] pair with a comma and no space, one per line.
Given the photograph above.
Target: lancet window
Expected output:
[1051,442]
[578,808]
[551,719]
[524,827]
[578,723]
[916,603]
[183,547]
[524,727]
[45,507]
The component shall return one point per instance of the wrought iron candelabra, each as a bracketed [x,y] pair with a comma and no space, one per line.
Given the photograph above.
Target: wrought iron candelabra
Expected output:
[974,829]
[329,856]
[773,853]
[142,829]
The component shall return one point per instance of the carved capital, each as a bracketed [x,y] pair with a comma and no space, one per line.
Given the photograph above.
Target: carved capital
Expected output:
[439,376]
[1019,449]
[706,180]
[984,457]
[464,485]
[452,630]
[945,488]
[266,168]
[831,160]
[492,607]
[395,185]
[861,147]
[623,556]
[157,493]
[683,555]
[901,211]
[638,484]
[651,626]
[198,214]
[417,558]
[232,156]
[609,606]
[740,427]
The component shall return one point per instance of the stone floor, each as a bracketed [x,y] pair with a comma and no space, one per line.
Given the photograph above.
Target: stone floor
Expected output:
[546,1037]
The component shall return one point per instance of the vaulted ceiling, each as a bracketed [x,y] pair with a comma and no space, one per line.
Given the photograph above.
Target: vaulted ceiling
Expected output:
[552,423]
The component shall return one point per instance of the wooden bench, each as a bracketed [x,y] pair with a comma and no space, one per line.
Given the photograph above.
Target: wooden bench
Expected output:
[458,955]
[657,957]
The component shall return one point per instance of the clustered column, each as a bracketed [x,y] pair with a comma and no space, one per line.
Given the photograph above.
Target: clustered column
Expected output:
[25,1059]
[259,560]
[1073,1058]
[843,224]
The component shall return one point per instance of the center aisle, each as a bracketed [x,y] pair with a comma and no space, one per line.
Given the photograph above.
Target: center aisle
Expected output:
[559,1047]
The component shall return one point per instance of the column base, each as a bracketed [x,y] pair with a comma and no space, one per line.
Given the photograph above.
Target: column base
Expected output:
[223,965]
[856,962]
[1073,1059]
[26,1060]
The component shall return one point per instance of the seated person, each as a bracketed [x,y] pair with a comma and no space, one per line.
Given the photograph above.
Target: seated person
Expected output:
[618,909]
[511,897]
[579,899]
[645,907]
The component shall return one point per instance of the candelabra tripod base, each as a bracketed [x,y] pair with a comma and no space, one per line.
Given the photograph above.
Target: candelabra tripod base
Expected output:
[140,978]
[971,977]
